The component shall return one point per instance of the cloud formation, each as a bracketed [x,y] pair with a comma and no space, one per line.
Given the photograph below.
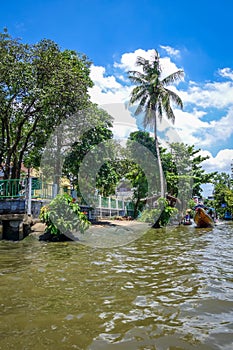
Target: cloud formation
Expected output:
[207,118]
[171,51]
[220,162]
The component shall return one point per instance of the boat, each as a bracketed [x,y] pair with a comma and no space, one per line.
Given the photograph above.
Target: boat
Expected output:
[186,222]
[187,218]
[202,219]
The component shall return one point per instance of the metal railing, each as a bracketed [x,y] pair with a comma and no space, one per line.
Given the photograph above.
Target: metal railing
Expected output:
[19,189]
[12,188]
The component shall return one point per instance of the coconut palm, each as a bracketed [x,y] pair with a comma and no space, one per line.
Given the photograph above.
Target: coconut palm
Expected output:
[154,98]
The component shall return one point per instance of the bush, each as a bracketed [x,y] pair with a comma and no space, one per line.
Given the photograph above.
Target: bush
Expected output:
[63,215]
[161,215]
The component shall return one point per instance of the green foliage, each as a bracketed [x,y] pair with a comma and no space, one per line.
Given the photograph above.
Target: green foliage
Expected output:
[63,215]
[139,185]
[154,98]
[183,171]
[144,138]
[135,174]
[107,179]
[223,193]
[182,168]
[40,85]
[222,179]
[191,204]
[160,215]
[89,141]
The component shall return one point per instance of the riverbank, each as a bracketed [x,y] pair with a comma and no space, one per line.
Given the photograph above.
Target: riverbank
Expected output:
[111,233]
[104,232]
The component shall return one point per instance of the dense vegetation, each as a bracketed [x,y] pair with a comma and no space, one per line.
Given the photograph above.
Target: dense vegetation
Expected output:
[41,86]
[63,217]
[223,194]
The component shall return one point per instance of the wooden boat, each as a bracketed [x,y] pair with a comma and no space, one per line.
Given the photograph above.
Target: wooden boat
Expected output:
[202,219]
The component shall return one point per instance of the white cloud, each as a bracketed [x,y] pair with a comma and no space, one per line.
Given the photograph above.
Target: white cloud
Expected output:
[221,162]
[171,51]
[187,125]
[168,67]
[221,129]
[128,62]
[106,88]
[123,123]
[119,112]
[100,96]
[193,130]
[226,73]
[98,75]
[214,94]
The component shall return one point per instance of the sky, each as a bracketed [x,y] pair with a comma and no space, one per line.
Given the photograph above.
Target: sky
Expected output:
[195,36]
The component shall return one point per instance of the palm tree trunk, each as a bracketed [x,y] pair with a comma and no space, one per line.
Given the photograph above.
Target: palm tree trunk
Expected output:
[161,175]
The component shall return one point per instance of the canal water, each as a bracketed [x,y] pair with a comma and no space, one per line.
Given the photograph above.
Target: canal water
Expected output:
[171,289]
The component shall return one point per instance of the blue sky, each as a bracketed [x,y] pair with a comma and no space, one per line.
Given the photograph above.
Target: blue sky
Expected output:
[106,29]
[193,35]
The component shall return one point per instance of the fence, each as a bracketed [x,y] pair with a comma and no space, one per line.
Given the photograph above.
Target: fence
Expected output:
[20,188]
[17,188]
[12,188]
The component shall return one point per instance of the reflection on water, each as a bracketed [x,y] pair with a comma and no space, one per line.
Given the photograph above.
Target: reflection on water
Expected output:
[170,289]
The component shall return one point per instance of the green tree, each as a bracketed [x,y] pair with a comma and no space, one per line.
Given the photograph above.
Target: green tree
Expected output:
[223,194]
[223,179]
[135,173]
[139,184]
[154,98]
[40,85]
[161,215]
[107,177]
[182,165]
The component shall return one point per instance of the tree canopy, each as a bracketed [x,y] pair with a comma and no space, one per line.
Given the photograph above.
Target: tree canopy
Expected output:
[40,85]
[223,193]
[88,141]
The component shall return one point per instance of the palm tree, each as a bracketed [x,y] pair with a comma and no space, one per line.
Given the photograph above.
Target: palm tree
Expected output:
[154,98]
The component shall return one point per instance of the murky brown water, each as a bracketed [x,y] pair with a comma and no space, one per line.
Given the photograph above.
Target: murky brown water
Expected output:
[171,289]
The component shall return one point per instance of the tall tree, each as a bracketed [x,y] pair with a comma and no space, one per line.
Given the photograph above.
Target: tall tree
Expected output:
[183,164]
[89,140]
[223,193]
[40,85]
[154,98]
[135,173]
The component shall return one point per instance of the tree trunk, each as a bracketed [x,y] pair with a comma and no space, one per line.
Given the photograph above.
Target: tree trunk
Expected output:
[136,208]
[161,176]
[58,161]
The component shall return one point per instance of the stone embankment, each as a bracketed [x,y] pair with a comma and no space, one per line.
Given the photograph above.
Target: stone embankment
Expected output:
[37,228]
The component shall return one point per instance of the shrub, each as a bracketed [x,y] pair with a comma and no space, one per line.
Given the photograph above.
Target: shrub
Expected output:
[161,215]
[63,215]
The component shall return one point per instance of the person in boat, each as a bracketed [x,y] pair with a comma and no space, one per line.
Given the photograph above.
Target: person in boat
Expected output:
[187,218]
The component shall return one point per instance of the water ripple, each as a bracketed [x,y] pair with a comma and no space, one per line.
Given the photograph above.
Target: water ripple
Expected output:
[171,289]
